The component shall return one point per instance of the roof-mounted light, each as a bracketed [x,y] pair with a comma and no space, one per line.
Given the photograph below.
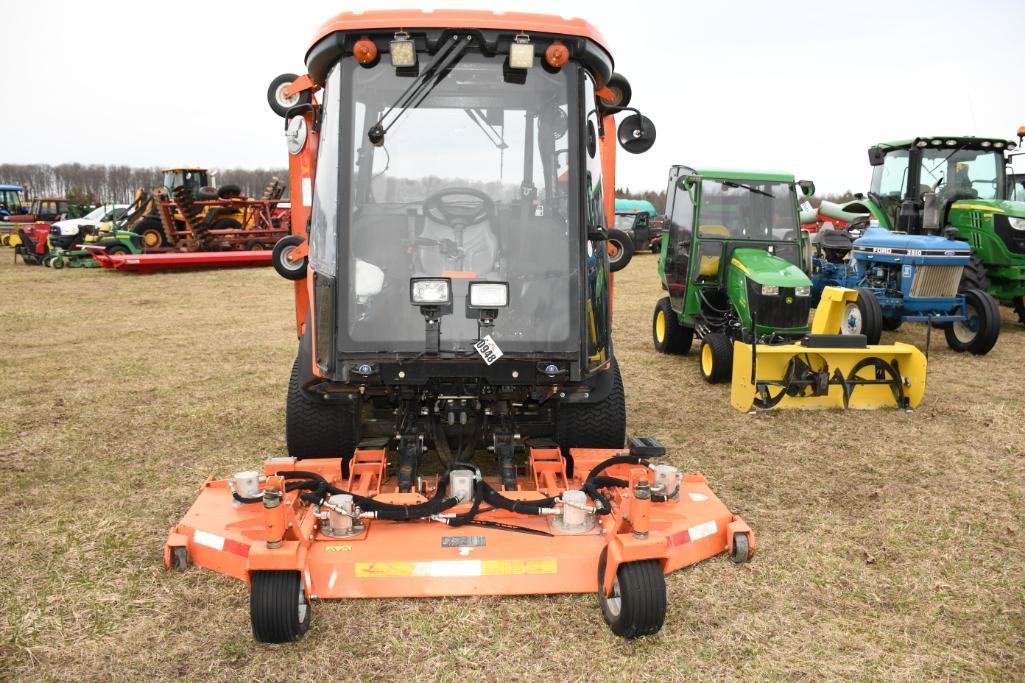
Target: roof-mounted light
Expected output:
[365,51]
[936,143]
[998,145]
[1011,144]
[403,51]
[922,143]
[521,52]
[556,55]
[985,143]
[951,143]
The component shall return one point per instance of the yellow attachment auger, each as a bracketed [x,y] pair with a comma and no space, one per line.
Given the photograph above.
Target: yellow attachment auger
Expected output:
[827,369]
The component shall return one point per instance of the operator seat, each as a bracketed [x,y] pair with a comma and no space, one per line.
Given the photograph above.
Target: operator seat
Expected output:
[442,248]
[832,244]
[710,264]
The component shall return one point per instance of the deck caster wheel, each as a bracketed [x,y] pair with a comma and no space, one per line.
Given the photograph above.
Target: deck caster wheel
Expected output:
[179,558]
[290,270]
[637,606]
[278,607]
[741,552]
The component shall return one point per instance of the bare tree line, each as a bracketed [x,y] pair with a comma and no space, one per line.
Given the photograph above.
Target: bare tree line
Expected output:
[96,183]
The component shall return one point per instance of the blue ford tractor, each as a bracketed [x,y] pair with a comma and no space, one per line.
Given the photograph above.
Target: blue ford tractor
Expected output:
[905,277]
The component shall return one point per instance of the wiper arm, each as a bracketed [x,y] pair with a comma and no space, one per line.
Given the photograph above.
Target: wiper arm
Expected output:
[729,183]
[421,87]
[494,136]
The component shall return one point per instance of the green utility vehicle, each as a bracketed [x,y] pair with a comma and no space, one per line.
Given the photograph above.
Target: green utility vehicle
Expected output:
[732,263]
[929,184]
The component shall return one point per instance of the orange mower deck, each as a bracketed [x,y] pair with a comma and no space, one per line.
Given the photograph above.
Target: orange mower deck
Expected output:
[423,558]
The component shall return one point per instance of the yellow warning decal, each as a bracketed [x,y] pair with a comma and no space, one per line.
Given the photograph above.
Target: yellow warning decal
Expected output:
[453,568]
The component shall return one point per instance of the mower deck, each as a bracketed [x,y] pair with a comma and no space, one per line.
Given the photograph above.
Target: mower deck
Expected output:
[423,558]
[148,263]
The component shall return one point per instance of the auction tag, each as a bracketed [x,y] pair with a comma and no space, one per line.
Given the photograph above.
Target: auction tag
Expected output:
[488,350]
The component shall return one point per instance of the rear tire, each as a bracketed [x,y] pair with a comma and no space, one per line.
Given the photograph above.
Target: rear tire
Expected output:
[978,334]
[624,247]
[278,607]
[716,362]
[314,429]
[974,275]
[151,232]
[863,316]
[667,333]
[892,324]
[637,606]
[601,424]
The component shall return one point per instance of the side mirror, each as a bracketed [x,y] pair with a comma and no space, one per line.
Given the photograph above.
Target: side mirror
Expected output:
[636,133]
[807,187]
[875,156]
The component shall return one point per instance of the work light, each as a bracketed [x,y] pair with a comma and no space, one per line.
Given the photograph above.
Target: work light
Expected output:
[427,291]
[986,143]
[521,52]
[402,50]
[802,291]
[489,294]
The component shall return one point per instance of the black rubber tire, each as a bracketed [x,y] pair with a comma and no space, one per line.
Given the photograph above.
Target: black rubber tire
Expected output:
[153,227]
[871,314]
[314,429]
[642,598]
[226,224]
[117,249]
[179,558]
[624,252]
[655,248]
[229,191]
[276,607]
[1018,303]
[720,347]
[741,552]
[974,275]
[601,424]
[281,249]
[621,87]
[892,324]
[281,107]
[253,245]
[206,194]
[677,339]
[989,324]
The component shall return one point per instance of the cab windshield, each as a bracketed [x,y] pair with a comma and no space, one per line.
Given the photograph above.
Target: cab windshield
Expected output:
[962,173]
[472,183]
[748,210]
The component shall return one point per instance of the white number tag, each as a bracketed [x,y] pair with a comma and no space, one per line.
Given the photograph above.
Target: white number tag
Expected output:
[488,350]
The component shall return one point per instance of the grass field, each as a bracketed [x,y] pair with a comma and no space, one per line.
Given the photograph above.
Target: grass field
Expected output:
[891,545]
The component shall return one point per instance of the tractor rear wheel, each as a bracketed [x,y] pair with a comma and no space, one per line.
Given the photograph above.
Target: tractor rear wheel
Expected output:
[317,429]
[117,249]
[864,316]
[978,333]
[278,607]
[637,606]
[669,335]
[892,324]
[1019,307]
[601,424]
[621,250]
[974,275]
[716,363]
[151,230]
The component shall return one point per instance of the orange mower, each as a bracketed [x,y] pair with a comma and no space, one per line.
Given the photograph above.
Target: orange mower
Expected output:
[452,180]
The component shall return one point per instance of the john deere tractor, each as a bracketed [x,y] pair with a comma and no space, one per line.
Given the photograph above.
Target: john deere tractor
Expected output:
[734,266]
[928,184]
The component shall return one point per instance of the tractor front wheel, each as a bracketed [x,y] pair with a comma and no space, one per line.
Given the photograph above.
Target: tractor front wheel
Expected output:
[117,249]
[278,607]
[151,230]
[317,429]
[978,332]
[669,335]
[864,316]
[637,605]
[716,358]
[601,424]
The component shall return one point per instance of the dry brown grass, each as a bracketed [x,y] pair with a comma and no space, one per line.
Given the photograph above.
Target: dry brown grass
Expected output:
[891,545]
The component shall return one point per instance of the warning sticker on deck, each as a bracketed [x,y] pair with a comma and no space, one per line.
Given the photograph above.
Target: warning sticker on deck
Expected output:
[454,568]
[463,541]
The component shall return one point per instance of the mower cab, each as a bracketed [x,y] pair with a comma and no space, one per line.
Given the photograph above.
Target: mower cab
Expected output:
[453,301]
[734,266]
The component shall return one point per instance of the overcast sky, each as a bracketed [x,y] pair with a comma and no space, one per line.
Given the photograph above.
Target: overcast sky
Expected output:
[798,86]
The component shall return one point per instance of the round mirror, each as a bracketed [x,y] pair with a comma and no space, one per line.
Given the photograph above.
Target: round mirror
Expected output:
[295,135]
[636,133]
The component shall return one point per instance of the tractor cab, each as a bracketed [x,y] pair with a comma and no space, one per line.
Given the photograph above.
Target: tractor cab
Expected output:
[11,200]
[192,178]
[733,256]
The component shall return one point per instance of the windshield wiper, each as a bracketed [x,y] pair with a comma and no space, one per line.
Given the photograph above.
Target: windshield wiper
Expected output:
[729,183]
[493,135]
[421,86]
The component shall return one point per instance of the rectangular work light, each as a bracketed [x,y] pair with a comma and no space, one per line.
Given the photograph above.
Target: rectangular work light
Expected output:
[521,53]
[402,51]
[489,294]
[430,291]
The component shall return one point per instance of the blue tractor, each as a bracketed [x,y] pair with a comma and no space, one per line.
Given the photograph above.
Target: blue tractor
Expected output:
[905,277]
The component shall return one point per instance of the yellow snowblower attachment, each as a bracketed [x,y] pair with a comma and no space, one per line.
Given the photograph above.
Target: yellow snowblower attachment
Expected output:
[826,369]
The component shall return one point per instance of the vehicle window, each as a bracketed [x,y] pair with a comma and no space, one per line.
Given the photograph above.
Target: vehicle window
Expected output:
[890,179]
[962,173]
[324,223]
[747,209]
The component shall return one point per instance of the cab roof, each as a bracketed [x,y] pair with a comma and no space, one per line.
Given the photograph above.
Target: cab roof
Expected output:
[406,19]
[183,168]
[972,140]
[740,174]
[15,188]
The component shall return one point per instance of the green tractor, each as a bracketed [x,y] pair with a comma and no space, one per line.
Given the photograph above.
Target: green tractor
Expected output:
[731,262]
[929,184]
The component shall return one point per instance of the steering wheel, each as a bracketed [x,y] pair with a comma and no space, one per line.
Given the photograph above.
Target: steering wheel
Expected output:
[458,213]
